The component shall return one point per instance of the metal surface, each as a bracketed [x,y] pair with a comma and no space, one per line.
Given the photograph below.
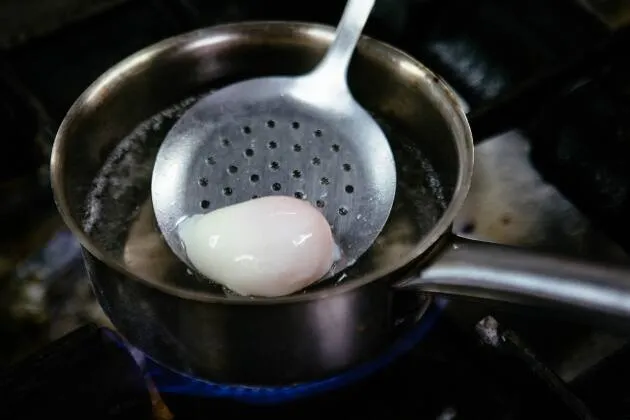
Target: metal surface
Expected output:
[499,272]
[304,136]
[506,343]
[145,290]
[510,203]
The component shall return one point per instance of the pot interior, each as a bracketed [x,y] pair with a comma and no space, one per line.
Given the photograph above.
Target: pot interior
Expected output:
[106,147]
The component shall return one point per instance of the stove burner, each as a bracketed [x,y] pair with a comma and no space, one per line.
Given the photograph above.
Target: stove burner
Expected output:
[169,382]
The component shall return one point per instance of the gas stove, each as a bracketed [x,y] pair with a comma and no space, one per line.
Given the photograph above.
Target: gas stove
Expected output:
[553,178]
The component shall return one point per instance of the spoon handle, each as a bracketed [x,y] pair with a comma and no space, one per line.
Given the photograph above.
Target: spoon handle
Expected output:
[334,66]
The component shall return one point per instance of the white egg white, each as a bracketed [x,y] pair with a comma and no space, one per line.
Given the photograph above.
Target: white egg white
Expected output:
[271,246]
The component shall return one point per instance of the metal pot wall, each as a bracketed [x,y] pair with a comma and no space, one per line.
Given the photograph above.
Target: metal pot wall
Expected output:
[332,327]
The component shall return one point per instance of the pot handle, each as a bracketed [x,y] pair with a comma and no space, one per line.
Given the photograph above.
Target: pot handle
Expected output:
[504,273]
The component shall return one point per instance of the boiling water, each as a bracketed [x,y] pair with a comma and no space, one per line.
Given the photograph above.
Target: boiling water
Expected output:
[119,215]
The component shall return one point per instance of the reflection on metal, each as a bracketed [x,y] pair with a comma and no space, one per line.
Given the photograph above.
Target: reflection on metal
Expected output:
[509,203]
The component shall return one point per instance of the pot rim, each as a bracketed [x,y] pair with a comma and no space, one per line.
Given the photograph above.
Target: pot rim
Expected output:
[453,111]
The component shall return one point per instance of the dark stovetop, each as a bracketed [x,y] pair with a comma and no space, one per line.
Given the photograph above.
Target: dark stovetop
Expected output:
[494,375]
[484,49]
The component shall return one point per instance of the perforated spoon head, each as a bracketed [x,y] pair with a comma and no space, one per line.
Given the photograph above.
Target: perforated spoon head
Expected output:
[304,136]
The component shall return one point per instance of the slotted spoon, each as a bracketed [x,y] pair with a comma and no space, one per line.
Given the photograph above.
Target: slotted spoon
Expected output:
[301,136]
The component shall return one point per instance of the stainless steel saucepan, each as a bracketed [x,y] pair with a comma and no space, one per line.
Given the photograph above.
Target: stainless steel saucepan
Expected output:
[101,170]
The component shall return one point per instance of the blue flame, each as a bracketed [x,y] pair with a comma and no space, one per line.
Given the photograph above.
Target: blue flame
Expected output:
[169,382]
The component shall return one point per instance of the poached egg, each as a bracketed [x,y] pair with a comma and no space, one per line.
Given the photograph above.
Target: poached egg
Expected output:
[271,246]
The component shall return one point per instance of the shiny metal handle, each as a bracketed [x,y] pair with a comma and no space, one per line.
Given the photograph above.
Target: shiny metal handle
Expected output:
[334,66]
[498,272]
